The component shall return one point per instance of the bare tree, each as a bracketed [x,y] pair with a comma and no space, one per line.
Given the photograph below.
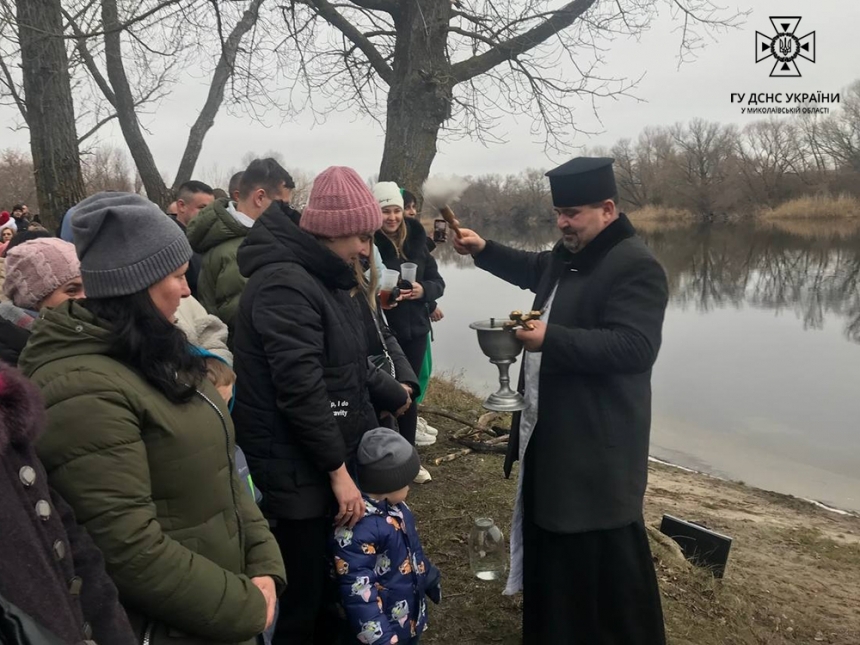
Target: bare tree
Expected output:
[452,67]
[768,152]
[91,111]
[161,39]
[17,184]
[703,161]
[815,160]
[841,131]
[304,181]
[47,108]
[631,185]
[655,155]
[107,169]
[133,53]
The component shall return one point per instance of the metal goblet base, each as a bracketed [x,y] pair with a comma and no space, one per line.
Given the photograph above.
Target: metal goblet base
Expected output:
[504,399]
[497,402]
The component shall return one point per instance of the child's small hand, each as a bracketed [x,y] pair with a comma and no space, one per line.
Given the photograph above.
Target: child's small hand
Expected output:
[435,594]
[434,583]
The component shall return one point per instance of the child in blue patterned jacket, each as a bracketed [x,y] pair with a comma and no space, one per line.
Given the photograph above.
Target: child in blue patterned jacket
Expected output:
[383,576]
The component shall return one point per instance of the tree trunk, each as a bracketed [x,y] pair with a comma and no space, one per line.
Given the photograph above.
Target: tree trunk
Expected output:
[156,189]
[419,95]
[50,112]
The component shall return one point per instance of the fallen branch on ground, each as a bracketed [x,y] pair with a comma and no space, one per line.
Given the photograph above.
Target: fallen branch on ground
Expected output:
[483,446]
[426,409]
[469,435]
[441,460]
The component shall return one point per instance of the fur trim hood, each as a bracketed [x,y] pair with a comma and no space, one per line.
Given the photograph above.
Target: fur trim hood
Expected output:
[22,411]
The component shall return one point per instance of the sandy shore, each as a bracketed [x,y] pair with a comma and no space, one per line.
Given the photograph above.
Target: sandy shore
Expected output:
[793,574]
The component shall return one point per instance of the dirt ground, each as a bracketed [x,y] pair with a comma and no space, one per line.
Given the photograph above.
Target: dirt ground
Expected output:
[793,574]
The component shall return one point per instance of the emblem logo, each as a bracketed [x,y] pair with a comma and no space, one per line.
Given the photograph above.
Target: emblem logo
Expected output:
[786,47]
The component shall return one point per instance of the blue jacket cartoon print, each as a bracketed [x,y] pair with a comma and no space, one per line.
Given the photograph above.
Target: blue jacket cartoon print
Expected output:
[383,575]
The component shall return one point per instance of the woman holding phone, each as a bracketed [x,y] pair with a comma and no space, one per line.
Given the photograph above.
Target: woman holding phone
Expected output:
[403,241]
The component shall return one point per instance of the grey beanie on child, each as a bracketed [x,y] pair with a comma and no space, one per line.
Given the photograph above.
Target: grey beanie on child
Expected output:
[125,244]
[386,462]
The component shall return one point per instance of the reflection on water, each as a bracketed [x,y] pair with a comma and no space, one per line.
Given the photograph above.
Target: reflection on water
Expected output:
[784,267]
[758,372]
[715,267]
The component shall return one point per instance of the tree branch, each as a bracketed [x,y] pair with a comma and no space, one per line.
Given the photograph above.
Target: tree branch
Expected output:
[507,50]
[10,83]
[223,72]
[473,35]
[388,6]
[156,190]
[96,128]
[108,119]
[481,22]
[89,61]
[337,20]
[379,32]
[115,28]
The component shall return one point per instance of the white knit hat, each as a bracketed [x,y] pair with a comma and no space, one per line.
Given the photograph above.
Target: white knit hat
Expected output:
[387,193]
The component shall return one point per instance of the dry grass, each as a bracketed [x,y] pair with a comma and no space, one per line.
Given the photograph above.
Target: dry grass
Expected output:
[815,207]
[817,229]
[661,214]
[793,575]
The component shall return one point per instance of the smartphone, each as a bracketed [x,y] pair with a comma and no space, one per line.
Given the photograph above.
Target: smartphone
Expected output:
[440,231]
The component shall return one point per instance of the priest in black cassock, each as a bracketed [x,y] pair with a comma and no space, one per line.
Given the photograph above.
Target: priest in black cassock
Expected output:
[579,550]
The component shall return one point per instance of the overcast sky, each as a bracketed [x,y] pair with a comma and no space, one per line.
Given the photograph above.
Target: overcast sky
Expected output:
[698,89]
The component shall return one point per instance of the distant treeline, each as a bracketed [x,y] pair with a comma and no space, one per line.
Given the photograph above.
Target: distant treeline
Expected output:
[103,169]
[706,170]
[697,169]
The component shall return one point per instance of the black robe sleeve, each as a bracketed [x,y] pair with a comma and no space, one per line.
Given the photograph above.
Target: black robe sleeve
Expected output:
[521,268]
[629,337]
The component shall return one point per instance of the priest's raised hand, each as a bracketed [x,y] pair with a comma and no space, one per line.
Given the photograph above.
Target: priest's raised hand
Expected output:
[470,243]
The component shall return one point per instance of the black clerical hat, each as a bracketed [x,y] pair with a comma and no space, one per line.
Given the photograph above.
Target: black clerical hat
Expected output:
[581,181]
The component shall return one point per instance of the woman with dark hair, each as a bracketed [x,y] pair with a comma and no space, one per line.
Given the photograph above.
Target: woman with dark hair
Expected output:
[140,443]
[410,209]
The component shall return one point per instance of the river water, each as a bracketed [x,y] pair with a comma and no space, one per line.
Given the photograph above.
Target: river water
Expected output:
[757,379]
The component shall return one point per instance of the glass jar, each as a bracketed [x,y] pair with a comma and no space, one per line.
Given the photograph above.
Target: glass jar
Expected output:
[487,551]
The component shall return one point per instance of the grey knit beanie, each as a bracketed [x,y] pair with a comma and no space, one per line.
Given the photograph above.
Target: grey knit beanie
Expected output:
[125,244]
[386,462]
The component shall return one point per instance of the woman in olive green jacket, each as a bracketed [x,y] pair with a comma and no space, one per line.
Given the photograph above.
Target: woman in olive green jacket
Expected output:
[141,444]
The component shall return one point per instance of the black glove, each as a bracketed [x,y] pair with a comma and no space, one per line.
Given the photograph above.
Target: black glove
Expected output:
[433,583]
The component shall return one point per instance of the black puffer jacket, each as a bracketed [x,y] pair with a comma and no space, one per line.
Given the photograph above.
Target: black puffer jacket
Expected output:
[380,339]
[411,318]
[300,350]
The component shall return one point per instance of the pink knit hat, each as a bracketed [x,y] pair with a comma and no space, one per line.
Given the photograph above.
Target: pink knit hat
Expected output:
[35,269]
[340,205]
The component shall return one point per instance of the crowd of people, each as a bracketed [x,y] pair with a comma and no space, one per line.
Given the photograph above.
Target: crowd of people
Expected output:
[220,403]
[209,421]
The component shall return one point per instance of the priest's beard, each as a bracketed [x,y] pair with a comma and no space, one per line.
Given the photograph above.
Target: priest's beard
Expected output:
[572,242]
